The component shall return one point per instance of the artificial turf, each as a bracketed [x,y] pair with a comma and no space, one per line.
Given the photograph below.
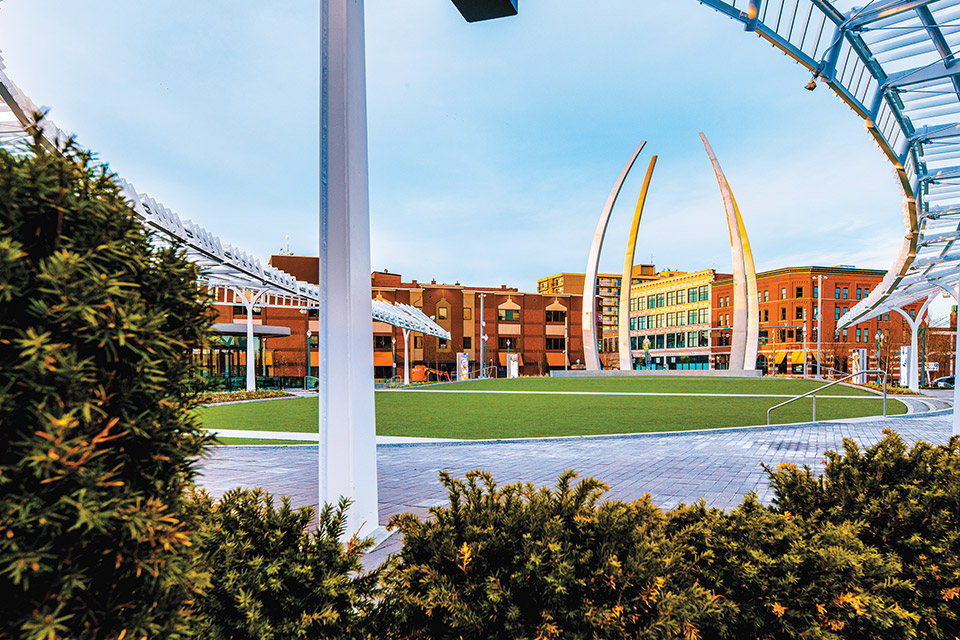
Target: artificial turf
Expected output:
[491,415]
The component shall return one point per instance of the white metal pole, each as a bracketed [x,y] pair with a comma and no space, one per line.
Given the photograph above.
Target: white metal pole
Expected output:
[347,451]
[483,340]
[804,341]
[251,352]
[956,367]
[406,356]
[820,280]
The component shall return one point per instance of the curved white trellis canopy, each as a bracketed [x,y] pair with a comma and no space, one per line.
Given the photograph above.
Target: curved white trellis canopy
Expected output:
[223,266]
[893,62]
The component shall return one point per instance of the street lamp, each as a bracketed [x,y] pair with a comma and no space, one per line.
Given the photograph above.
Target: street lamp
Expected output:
[508,357]
[483,343]
[393,349]
[820,280]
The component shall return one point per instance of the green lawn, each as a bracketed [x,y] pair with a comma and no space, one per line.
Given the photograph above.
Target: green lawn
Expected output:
[490,415]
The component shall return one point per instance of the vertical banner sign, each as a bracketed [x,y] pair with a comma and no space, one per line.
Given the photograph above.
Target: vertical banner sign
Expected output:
[513,365]
[463,366]
[858,363]
[905,365]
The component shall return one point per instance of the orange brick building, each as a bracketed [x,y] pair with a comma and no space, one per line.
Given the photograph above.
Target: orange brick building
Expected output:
[788,321]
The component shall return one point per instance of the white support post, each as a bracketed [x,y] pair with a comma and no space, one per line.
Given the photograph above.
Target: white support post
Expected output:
[406,357]
[914,323]
[347,451]
[956,367]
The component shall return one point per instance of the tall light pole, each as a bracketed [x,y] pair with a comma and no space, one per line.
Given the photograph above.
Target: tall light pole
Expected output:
[805,341]
[393,341]
[820,280]
[483,337]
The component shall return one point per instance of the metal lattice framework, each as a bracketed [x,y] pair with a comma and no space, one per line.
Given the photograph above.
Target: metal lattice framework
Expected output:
[229,271]
[893,62]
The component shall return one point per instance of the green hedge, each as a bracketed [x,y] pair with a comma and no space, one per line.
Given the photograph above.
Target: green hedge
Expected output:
[97,382]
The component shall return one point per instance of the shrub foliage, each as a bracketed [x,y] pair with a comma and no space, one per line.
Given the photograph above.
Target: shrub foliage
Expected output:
[271,578]
[96,379]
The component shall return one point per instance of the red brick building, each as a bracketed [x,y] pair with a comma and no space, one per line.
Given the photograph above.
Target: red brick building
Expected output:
[788,321]
[543,328]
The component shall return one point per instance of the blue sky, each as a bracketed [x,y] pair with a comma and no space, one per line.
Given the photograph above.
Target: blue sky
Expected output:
[493,146]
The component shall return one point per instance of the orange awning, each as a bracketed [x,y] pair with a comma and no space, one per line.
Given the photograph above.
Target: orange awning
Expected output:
[796,357]
[383,358]
[314,359]
[555,359]
[503,359]
[780,357]
[268,357]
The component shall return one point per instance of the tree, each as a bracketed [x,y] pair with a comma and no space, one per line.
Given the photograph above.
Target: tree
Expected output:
[97,383]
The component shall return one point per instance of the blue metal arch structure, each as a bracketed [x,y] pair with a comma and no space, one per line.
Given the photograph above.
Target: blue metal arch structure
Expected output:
[894,63]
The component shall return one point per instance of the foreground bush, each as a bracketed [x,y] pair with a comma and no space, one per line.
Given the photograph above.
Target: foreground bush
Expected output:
[271,578]
[907,505]
[870,550]
[96,381]
[519,562]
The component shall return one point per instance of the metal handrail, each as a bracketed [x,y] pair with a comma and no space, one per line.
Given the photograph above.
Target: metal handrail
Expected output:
[815,391]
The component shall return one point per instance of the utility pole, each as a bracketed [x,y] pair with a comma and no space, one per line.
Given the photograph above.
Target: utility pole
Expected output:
[820,280]
[483,338]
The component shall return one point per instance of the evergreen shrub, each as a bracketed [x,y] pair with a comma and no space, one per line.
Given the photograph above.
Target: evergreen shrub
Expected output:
[97,380]
[519,562]
[271,577]
[906,504]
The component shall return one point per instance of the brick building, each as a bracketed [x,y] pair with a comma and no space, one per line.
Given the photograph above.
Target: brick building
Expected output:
[608,303]
[788,321]
[543,328]
[670,321]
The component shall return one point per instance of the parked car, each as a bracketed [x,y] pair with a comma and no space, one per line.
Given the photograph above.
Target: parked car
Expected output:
[945,382]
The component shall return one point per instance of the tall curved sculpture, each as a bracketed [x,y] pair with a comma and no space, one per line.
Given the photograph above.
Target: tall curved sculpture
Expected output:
[623,327]
[746,307]
[591,355]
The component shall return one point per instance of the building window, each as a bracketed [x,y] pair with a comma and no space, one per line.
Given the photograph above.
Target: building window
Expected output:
[633,304]
[783,293]
[467,342]
[816,291]
[641,303]
[858,333]
[507,315]
[651,302]
[660,299]
[555,344]
[442,344]
[844,293]
[659,320]
[798,313]
[382,342]
[766,296]
[692,316]
[837,293]
[858,294]
[671,298]
[671,341]
[659,341]
[692,295]
[783,313]
[467,313]
[642,322]
[704,294]
[441,313]
[704,316]
[502,344]
[844,335]
[816,313]
[557,316]
[913,314]
[766,315]
[836,313]
[671,319]
[799,292]
[781,335]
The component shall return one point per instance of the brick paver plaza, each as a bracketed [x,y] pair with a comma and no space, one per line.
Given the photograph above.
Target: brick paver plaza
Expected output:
[721,466]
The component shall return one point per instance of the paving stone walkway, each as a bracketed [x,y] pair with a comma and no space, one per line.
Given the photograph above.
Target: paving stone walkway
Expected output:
[721,466]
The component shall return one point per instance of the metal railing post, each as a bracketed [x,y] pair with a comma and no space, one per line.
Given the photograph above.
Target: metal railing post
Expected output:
[818,390]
